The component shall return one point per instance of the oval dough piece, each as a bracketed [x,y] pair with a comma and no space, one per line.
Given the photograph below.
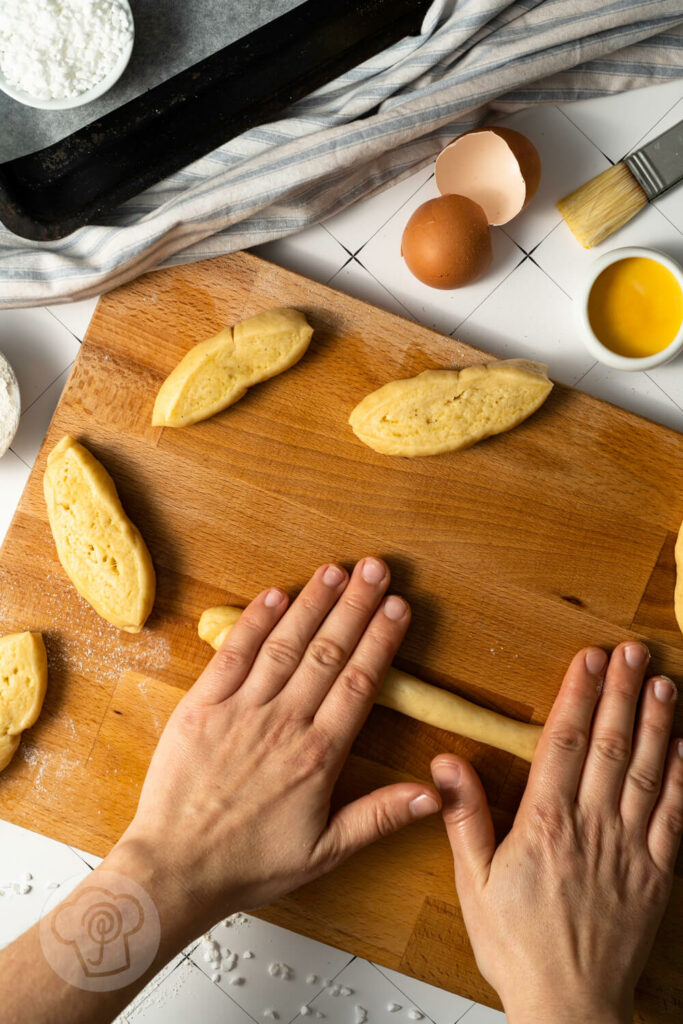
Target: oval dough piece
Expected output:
[23,682]
[445,410]
[678,593]
[412,697]
[102,552]
[217,372]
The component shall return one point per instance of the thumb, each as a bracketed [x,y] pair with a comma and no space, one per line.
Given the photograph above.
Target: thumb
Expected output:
[377,814]
[466,815]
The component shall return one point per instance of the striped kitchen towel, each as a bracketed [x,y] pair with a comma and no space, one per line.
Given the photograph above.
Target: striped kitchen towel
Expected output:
[372,126]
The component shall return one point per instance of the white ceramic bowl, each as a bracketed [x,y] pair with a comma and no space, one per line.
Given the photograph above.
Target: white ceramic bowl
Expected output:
[593,344]
[104,85]
[15,404]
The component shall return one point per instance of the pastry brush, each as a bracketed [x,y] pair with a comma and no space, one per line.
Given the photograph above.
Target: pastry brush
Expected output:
[608,201]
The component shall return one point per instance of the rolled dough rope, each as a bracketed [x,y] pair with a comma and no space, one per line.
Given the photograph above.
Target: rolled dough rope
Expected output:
[412,697]
[434,706]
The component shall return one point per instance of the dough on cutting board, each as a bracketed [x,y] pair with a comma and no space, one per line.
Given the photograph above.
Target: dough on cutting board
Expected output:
[102,552]
[678,592]
[23,682]
[445,410]
[215,623]
[217,372]
[413,697]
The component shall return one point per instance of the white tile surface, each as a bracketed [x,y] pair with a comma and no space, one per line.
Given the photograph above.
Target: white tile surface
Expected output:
[91,859]
[270,944]
[13,476]
[528,315]
[75,316]
[38,347]
[618,125]
[24,852]
[356,280]
[433,307]
[353,230]
[35,421]
[634,391]
[568,159]
[313,253]
[186,994]
[441,1007]
[371,991]
[483,1015]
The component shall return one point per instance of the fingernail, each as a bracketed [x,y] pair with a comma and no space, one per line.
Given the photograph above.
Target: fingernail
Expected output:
[423,805]
[636,655]
[446,777]
[373,570]
[596,661]
[274,597]
[679,748]
[395,608]
[333,576]
[665,689]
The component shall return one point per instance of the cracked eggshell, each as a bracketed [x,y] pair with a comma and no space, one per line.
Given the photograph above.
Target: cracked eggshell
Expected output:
[447,243]
[498,168]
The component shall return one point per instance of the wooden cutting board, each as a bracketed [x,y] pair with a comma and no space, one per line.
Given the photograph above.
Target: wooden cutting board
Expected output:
[513,554]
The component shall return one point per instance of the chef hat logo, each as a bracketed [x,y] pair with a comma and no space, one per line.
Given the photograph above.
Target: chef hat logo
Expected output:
[99,924]
[100,933]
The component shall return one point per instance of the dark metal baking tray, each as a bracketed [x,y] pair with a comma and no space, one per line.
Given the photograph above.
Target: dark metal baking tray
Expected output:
[50,193]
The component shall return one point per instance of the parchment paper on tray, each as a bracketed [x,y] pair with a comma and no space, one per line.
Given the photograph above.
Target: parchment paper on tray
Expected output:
[170,36]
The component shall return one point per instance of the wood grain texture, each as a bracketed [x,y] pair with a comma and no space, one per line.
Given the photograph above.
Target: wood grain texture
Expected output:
[513,554]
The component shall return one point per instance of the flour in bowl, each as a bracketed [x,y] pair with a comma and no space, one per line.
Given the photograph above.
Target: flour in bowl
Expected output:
[9,405]
[58,49]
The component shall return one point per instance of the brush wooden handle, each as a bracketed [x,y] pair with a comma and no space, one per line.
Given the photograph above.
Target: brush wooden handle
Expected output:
[413,697]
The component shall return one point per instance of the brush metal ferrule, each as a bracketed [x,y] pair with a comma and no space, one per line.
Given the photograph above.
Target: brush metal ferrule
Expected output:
[659,164]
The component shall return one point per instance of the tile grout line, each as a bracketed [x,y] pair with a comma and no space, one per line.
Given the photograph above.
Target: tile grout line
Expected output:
[487,297]
[18,456]
[652,127]
[391,215]
[587,137]
[45,390]
[405,996]
[387,290]
[659,386]
[62,324]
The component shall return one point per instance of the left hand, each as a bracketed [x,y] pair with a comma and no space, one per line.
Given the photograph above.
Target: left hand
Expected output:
[236,803]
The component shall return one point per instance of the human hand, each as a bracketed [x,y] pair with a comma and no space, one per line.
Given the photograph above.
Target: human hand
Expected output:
[563,913]
[236,803]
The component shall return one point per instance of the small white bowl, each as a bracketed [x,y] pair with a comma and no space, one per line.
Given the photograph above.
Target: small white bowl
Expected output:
[15,404]
[104,85]
[593,344]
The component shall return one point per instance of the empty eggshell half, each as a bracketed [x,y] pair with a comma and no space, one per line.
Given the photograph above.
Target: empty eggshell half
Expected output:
[498,168]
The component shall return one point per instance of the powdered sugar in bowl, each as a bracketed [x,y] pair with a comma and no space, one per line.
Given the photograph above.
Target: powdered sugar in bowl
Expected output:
[57,54]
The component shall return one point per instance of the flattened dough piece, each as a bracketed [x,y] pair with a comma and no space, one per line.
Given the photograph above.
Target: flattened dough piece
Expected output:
[678,593]
[23,682]
[102,552]
[217,372]
[215,623]
[412,697]
[445,410]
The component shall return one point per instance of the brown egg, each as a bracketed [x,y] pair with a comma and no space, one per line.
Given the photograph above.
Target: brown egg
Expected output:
[447,243]
[498,168]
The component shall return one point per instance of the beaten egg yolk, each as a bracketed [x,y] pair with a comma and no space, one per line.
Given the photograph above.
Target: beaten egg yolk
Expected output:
[635,307]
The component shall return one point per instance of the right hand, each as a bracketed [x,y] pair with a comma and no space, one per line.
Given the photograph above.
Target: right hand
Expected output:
[562,915]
